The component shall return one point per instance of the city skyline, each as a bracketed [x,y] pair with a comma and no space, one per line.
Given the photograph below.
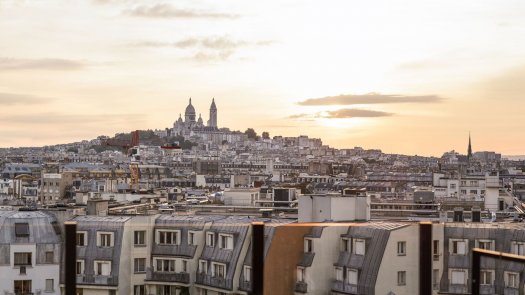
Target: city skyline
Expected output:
[376,75]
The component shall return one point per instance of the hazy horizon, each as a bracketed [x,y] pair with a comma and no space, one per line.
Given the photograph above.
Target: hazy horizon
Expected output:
[402,76]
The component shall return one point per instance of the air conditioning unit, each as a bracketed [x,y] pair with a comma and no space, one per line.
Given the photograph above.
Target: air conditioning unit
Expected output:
[22,270]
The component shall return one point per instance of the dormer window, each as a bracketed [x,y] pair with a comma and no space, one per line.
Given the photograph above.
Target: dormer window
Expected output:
[458,247]
[105,239]
[22,230]
[308,246]
[226,241]
[359,247]
[168,237]
[210,239]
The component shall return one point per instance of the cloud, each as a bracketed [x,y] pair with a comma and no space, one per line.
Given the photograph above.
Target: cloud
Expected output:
[8,99]
[214,43]
[354,113]
[207,49]
[371,98]
[55,64]
[341,114]
[164,10]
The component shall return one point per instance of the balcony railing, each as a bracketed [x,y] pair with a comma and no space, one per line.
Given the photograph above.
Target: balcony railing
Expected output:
[218,282]
[301,287]
[245,286]
[97,280]
[179,277]
[342,287]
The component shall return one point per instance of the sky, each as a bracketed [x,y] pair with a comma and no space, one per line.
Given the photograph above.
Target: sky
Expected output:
[411,77]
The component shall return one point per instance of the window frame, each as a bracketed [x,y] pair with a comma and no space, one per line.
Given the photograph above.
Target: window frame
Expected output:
[138,237]
[401,278]
[84,238]
[101,240]
[401,245]
[102,262]
[136,264]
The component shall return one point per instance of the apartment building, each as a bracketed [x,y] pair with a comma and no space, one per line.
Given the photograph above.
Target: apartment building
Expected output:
[30,250]
[178,242]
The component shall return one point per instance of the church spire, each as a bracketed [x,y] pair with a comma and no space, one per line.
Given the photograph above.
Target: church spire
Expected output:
[469,154]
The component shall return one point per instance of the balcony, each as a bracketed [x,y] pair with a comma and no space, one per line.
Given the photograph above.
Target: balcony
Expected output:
[217,282]
[301,287]
[340,286]
[245,286]
[174,250]
[97,280]
[179,277]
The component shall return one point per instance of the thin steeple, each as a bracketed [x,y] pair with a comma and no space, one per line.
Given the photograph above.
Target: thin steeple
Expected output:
[469,153]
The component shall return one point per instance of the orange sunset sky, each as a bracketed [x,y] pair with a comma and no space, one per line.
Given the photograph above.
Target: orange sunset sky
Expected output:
[411,77]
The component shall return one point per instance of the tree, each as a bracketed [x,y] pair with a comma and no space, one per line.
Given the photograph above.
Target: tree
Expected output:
[251,133]
[265,135]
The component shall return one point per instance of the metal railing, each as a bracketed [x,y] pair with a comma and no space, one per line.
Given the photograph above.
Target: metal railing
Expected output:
[178,277]
[218,282]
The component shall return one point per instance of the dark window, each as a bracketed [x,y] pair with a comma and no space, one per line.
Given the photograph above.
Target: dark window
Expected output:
[50,257]
[23,258]
[22,229]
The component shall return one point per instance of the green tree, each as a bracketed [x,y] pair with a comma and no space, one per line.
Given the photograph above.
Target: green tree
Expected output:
[265,135]
[251,133]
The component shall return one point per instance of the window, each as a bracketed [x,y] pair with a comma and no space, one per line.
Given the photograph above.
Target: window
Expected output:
[486,277]
[165,237]
[184,265]
[139,290]
[23,259]
[301,273]
[458,247]
[473,192]
[518,248]
[140,265]
[359,247]
[139,238]
[512,280]
[484,244]
[105,239]
[346,245]
[458,277]
[21,230]
[49,285]
[463,191]
[401,278]
[435,249]
[219,270]
[308,246]
[452,186]
[191,238]
[435,279]
[339,274]
[49,257]
[81,238]
[247,273]
[226,242]
[102,268]
[210,239]
[401,248]
[22,287]
[166,265]
[203,266]
[80,267]
[352,276]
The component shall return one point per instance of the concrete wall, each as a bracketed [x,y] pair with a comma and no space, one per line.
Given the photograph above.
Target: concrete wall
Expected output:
[392,263]
[320,275]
